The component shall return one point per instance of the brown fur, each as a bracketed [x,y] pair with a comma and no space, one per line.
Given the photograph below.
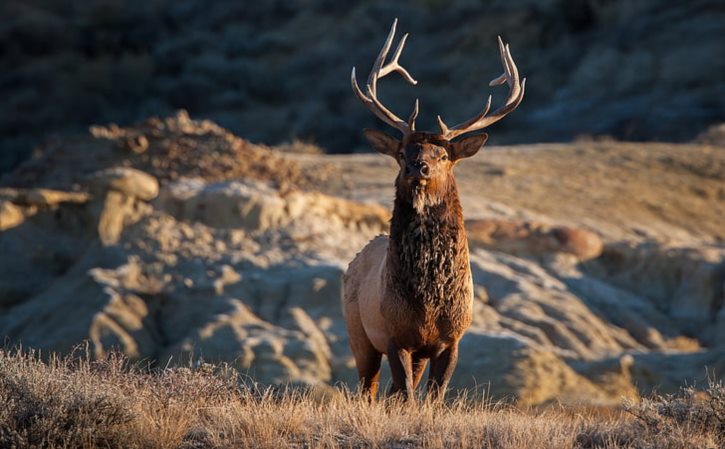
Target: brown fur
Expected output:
[410,295]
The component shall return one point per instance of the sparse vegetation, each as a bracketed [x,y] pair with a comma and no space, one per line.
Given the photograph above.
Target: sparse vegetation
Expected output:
[75,402]
[274,71]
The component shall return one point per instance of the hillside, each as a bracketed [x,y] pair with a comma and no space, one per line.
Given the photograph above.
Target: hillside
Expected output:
[598,266]
[274,71]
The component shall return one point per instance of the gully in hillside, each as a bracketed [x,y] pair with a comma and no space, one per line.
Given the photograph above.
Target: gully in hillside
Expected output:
[409,295]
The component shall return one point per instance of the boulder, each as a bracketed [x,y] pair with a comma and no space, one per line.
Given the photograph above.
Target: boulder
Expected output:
[128,181]
[121,194]
[530,238]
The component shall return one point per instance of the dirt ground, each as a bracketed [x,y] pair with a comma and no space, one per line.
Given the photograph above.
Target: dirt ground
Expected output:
[665,192]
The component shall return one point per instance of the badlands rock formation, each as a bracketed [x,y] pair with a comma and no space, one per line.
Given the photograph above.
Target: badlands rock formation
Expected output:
[174,239]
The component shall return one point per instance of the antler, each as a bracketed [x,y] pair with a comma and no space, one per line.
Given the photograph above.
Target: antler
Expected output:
[378,71]
[516,94]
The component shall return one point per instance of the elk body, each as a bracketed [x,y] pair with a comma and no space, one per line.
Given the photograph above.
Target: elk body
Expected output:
[410,295]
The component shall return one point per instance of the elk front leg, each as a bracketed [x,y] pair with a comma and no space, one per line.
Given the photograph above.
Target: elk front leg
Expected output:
[401,367]
[441,370]
[419,364]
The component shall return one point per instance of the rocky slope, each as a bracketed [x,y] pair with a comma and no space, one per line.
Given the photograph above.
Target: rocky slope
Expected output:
[277,70]
[599,266]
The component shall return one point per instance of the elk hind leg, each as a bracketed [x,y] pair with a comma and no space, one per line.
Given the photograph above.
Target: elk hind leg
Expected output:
[367,358]
[368,370]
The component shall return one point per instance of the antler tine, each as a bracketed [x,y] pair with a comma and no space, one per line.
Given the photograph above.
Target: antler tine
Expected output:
[391,120]
[516,94]
[413,116]
[394,65]
[380,60]
[445,130]
[379,70]
[508,64]
[386,115]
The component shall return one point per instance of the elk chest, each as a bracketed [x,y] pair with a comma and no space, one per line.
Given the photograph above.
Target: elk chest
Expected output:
[429,282]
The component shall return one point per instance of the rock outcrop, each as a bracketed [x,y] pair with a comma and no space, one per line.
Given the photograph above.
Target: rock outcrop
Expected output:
[247,270]
[121,193]
[533,239]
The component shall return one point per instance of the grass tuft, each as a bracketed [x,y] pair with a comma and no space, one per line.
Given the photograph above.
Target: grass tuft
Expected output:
[76,402]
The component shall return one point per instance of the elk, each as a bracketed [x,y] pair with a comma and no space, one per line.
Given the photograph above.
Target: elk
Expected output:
[409,295]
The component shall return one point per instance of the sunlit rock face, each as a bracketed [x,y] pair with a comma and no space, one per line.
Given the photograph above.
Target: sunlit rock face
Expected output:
[167,255]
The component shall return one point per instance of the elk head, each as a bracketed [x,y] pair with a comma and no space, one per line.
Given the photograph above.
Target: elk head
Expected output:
[427,159]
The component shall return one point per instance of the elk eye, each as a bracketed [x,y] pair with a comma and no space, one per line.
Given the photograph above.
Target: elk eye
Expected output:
[444,157]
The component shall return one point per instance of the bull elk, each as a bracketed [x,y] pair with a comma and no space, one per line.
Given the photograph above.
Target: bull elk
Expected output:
[409,295]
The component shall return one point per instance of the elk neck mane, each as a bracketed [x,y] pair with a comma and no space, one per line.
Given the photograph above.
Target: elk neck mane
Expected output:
[428,251]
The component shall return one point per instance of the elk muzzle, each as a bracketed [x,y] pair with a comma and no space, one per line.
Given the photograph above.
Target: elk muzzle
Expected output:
[418,170]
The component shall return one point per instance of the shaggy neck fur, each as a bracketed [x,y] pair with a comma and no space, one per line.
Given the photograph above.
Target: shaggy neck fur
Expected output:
[428,252]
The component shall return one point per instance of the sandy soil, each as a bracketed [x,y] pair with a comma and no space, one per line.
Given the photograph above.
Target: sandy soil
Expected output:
[664,192]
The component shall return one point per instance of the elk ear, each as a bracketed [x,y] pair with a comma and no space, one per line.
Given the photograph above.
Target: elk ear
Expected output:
[468,146]
[382,142]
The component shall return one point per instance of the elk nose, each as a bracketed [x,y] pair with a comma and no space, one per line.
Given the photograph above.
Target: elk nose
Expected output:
[419,169]
[424,170]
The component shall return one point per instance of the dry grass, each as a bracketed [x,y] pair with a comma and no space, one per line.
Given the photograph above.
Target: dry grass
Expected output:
[73,402]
